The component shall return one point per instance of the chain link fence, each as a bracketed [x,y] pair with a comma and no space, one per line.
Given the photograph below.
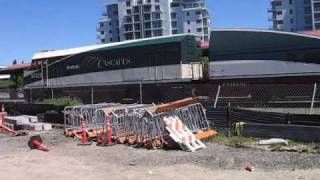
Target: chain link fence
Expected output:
[281,97]
[11,94]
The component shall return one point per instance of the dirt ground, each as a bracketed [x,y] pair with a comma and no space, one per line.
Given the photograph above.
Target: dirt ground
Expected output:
[66,160]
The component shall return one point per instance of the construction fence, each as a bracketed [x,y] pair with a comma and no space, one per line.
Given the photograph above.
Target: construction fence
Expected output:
[302,96]
[11,94]
[265,96]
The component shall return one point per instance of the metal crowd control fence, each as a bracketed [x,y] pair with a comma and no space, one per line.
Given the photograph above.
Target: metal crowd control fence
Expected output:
[137,124]
[74,114]
[122,118]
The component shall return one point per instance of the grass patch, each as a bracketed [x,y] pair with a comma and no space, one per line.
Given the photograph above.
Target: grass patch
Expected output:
[6,84]
[234,141]
[62,102]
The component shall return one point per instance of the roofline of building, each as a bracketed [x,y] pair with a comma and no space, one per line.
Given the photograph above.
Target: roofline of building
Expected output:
[195,9]
[72,51]
[108,4]
[265,30]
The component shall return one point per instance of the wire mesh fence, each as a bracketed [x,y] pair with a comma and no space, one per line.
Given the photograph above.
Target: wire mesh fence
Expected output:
[11,93]
[268,96]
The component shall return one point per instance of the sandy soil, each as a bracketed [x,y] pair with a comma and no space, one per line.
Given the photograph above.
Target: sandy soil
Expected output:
[69,161]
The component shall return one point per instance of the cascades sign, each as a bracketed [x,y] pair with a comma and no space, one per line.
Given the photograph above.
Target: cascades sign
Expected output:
[105,62]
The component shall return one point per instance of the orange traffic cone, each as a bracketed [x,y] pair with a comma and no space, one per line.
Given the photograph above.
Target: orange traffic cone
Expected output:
[84,137]
[35,142]
[2,108]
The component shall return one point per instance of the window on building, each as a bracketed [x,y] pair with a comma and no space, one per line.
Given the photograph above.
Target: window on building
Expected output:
[306,2]
[136,10]
[101,32]
[128,27]
[129,20]
[199,30]
[157,33]
[198,12]
[147,8]
[137,26]
[129,11]
[174,31]
[291,11]
[317,6]
[291,21]
[157,24]
[276,3]
[147,17]
[189,31]
[279,12]
[110,23]
[129,36]
[110,39]
[308,20]
[115,13]
[280,22]
[157,16]
[175,4]
[148,1]
[173,15]
[103,40]
[290,1]
[147,25]
[188,22]
[156,1]
[148,34]
[199,21]
[136,18]
[101,24]
[316,17]
[157,8]
[128,3]
[137,35]
[110,31]
[174,24]
[307,10]
[188,14]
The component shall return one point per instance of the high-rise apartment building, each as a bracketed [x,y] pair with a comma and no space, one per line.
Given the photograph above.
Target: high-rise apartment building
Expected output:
[136,19]
[295,15]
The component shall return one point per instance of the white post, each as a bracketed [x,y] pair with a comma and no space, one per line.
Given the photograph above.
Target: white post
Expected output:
[217,97]
[47,73]
[140,88]
[30,95]
[313,97]
[92,95]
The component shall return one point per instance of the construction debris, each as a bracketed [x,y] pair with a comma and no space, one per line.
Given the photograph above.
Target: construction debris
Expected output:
[142,125]
[182,135]
[273,141]
[27,123]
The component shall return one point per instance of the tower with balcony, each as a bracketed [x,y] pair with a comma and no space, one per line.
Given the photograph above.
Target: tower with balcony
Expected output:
[292,15]
[136,19]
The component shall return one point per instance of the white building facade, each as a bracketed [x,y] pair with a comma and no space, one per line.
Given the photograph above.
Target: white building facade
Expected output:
[136,19]
[295,15]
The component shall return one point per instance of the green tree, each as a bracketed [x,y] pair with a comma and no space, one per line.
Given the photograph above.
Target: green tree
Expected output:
[205,67]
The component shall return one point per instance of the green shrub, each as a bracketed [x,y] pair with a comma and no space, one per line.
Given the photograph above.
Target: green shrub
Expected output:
[62,101]
[205,67]
[6,84]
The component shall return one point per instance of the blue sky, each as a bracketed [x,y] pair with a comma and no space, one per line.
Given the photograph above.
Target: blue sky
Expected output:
[29,26]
